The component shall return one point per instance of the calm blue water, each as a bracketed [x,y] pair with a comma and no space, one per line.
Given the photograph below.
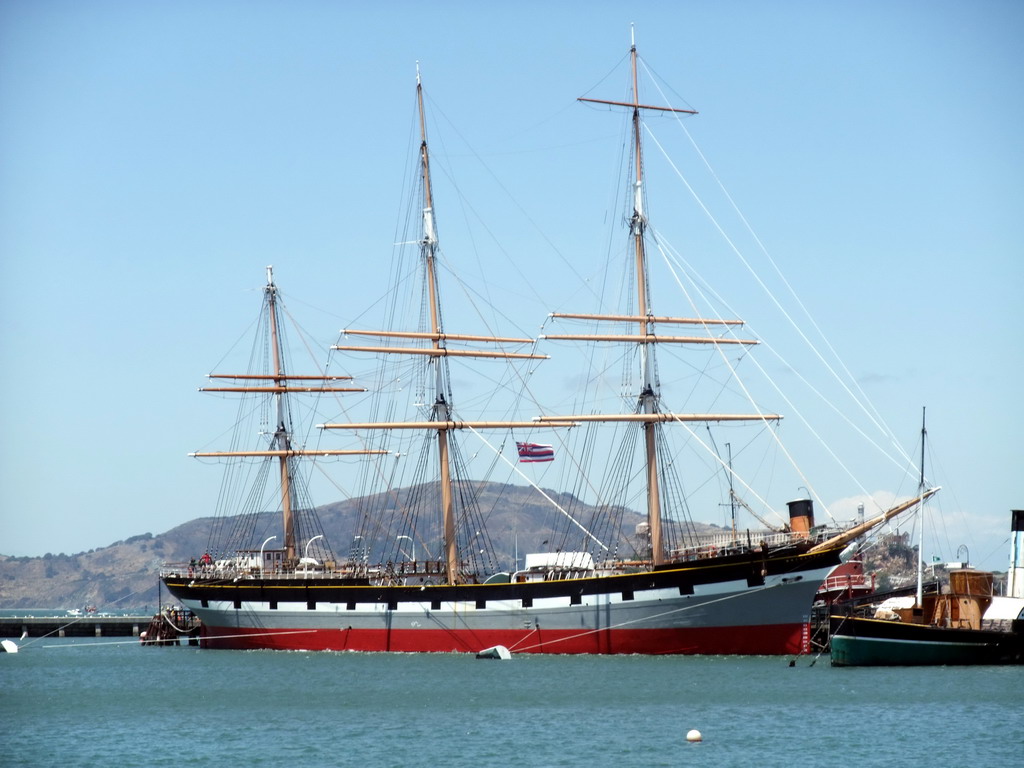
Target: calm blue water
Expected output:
[75,703]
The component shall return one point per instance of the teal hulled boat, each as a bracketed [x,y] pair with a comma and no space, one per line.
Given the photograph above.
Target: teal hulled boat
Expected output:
[969,625]
[861,642]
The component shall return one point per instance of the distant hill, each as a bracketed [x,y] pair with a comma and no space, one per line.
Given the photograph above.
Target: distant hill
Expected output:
[123,576]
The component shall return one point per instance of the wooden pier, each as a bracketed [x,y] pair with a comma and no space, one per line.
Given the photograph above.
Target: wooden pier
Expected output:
[73,626]
[170,627]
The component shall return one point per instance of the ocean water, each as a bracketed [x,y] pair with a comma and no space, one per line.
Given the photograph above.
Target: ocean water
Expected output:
[84,702]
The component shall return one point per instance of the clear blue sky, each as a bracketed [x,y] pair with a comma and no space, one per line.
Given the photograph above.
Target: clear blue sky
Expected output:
[155,156]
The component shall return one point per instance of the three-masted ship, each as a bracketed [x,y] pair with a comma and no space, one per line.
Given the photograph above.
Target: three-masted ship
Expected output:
[747,595]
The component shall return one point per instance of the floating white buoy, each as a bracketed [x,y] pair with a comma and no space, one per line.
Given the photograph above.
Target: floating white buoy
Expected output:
[9,646]
[694,736]
[495,652]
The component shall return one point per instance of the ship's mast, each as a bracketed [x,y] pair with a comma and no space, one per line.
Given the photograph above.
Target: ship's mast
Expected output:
[648,399]
[282,436]
[441,407]
[920,532]
[442,419]
[277,383]
[732,492]
[648,394]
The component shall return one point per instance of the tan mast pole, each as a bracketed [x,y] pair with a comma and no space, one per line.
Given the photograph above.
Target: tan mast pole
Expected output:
[281,437]
[441,408]
[648,396]
[919,595]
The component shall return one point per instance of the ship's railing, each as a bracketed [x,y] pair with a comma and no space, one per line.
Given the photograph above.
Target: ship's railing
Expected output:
[393,573]
[846,581]
[435,571]
[717,544]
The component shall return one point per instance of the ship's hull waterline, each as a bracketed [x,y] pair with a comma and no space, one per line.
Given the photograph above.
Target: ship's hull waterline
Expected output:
[754,606]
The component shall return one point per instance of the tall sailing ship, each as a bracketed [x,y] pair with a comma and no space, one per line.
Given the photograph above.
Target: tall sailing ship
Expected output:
[660,589]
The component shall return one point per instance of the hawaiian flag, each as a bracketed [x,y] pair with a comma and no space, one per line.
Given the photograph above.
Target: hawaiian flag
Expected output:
[530,452]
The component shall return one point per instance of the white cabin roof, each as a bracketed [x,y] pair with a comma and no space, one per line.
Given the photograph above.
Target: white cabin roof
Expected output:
[559,560]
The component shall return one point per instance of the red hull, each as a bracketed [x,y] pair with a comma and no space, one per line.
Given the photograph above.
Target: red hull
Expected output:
[769,639]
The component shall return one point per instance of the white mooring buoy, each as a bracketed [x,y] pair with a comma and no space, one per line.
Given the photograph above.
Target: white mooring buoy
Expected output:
[495,652]
[8,646]
[694,736]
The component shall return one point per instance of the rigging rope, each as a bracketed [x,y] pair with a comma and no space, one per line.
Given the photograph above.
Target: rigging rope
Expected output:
[866,406]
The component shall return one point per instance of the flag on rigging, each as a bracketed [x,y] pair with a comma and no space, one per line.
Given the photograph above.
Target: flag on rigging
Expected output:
[530,452]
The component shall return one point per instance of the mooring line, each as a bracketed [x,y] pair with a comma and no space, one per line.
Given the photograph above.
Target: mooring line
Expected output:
[643,618]
[80,618]
[828,635]
[523,639]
